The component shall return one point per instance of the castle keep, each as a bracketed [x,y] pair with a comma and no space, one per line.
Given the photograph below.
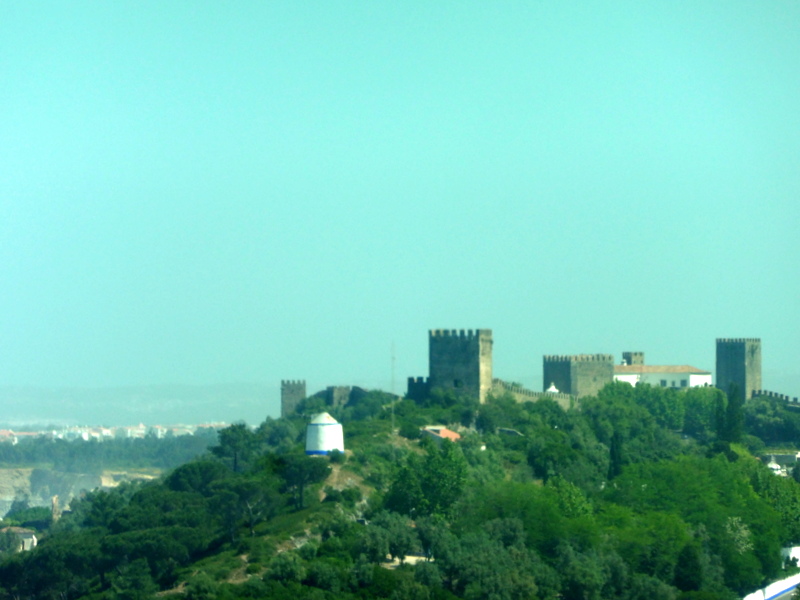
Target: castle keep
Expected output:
[459,360]
[739,364]
[578,375]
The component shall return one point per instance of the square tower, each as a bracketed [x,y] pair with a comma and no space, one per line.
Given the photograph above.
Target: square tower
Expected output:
[292,392]
[461,361]
[633,358]
[739,363]
[580,374]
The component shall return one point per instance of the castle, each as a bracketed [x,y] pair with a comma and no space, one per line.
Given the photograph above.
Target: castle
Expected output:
[461,361]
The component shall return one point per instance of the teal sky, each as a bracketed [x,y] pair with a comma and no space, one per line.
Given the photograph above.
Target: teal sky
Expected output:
[206,192]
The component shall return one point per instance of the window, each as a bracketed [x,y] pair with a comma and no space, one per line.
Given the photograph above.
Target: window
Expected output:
[457,383]
[663,383]
[684,383]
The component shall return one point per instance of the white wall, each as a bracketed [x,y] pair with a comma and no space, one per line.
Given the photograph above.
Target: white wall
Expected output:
[672,379]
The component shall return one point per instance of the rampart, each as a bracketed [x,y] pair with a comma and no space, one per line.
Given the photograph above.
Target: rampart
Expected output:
[336,396]
[292,392]
[418,388]
[521,394]
[739,364]
[578,374]
[774,396]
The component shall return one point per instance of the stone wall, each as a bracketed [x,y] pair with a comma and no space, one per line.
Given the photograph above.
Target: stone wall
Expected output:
[521,394]
[578,375]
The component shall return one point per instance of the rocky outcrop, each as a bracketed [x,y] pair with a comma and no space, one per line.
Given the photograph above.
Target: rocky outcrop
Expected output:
[38,486]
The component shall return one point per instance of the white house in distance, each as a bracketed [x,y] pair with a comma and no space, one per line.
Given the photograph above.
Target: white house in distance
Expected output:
[633,370]
[323,435]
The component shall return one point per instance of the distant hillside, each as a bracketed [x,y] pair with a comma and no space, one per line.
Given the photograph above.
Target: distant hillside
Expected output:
[115,406]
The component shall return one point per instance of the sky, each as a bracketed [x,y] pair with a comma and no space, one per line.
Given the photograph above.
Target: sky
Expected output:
[202,193]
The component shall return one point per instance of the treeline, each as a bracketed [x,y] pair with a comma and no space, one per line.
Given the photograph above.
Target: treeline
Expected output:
[80,456]
[643,493]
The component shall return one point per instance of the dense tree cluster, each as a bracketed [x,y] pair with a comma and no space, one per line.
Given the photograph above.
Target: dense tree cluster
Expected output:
[93,456]
[641,493]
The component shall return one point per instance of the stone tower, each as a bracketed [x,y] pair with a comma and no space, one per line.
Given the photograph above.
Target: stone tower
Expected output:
[633,358]
[292,392]
[461,361]
[739,363]
[579,375]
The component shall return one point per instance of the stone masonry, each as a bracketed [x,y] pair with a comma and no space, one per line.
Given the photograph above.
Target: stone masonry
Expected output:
[739,364]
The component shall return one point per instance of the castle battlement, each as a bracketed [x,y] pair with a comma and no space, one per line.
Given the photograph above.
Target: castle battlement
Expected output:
[773,395]
[522,394]
[568,358]
[459,333]
[417,380]
[737,340]
[521,391]
[292,382]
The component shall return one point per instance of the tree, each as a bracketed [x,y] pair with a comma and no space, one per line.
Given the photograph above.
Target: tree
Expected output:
[198,476]
[689,568]
[429,485]
[402,538]
[734,416]
[236,443]
[373,543]
[615,452]
[133,581]
[299,471]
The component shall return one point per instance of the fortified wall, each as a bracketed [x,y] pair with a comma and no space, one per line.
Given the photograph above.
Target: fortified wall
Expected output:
[739,364]
[521,394]
[339,395]
[774,396]
[579,374]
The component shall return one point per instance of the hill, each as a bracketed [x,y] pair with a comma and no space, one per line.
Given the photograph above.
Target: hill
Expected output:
[641,493]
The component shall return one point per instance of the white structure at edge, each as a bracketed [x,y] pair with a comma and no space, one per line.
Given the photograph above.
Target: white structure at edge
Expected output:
[324,434]
[682,376]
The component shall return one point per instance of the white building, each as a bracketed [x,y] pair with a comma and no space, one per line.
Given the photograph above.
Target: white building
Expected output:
[633,371]
[323,435]
[677,376]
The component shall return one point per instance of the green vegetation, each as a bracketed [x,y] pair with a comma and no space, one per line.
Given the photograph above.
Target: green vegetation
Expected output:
[642,493]
[93,456]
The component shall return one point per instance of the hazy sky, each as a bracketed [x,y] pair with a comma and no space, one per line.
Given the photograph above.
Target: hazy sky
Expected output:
[206,192]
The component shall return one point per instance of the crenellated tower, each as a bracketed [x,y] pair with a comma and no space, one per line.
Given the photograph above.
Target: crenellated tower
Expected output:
[292,392]
[578,374]
[461,360]
[739,363]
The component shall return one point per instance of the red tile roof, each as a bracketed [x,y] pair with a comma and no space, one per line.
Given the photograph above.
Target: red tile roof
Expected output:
[444,433]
